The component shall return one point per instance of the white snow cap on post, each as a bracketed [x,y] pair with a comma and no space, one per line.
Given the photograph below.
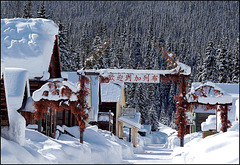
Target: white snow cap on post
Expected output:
[15,82]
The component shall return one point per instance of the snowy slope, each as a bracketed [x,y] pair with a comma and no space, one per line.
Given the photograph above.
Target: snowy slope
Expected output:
[221,148]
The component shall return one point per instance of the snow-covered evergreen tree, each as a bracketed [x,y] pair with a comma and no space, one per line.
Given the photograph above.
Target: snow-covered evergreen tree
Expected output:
[164,118]
[209,64]
[154,117]
[236,68]
[64,48]
[173,120]
[172,102]
[139,98]
[199,74]
[137,52]
[27,12]
[42,12]
[223,62]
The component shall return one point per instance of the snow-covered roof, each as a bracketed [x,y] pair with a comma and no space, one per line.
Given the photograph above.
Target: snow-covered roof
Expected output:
[15,81]
[208,93]
[181,68]
[132,121]
[111,92]
[28,43]
[39,94]
[232,89]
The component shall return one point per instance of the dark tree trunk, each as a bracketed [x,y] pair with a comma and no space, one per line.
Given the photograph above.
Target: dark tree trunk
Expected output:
[81,137]
[182,142]
[39,125]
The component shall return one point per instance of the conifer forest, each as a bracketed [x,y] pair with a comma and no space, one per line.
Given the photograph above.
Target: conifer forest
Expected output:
[126,34]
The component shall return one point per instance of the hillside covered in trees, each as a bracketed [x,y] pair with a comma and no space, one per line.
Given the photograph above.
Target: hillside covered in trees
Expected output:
[126,34]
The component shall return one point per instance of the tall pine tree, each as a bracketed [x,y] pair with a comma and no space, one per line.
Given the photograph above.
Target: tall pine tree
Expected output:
[209,64]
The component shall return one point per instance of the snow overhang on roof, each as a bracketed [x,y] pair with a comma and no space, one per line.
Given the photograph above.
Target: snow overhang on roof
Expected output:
[180,69]
[111,92]
[15,82]
[28,44]
[208,93]
[135,122]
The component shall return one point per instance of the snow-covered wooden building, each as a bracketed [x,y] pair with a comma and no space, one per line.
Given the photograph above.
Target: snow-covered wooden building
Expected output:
[106,100]
[32,45]
[203,96]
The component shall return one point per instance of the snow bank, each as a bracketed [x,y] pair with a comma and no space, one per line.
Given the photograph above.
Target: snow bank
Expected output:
[221,148]
[28,43]
[210,123]
[99,147]
[13,153]
[174,141]
[103,150]
[156,137]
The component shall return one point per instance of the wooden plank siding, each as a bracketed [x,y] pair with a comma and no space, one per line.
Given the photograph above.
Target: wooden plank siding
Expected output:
[3,106]
[55,67]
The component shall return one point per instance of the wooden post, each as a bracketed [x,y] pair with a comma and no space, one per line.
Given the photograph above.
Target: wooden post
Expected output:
[182,142]
[54,122]
[39,125]
[225,118]
[81,137]
[134,137]
[120,133]
[69,118]
[64,117]
[73,120]
[51,123]
[181,108]
[130,135]
[46,124]
[109,121]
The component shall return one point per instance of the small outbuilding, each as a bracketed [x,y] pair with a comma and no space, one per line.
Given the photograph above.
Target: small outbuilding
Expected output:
[206,99]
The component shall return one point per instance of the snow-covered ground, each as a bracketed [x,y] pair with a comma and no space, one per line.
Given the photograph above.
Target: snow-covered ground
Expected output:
[100,146]
[221,148]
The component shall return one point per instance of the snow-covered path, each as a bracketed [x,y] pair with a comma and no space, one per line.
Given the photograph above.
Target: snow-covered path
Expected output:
[153,154]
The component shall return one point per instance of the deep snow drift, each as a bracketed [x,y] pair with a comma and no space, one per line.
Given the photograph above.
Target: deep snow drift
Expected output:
[97,147]
[101,147]
[221,148]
